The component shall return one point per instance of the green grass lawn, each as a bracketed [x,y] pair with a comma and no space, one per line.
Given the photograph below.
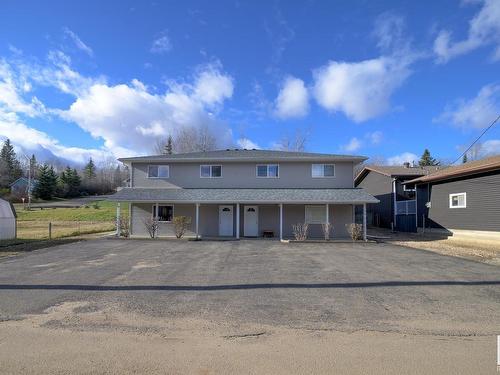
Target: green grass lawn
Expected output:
[105,212]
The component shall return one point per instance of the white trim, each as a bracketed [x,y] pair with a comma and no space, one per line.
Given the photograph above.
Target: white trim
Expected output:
[457,195]
[158,166]
[323,164]
[237,221]
[267,170]
[281,221]
[197,220]
[157,205]
[211,174]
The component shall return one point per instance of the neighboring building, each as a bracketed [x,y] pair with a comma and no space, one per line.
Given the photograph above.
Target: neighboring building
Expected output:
[19,188]
[233,193]
[461,198]
[7,220]
[397,207]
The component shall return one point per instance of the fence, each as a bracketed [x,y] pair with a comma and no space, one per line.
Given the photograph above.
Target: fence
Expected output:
[41,229]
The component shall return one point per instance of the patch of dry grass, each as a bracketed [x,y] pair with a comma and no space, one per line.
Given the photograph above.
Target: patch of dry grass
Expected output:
[40,229]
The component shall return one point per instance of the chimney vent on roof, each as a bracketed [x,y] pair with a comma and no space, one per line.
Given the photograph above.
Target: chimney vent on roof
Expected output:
[406,164]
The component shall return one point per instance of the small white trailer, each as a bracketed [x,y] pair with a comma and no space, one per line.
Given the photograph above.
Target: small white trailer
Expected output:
[7,220]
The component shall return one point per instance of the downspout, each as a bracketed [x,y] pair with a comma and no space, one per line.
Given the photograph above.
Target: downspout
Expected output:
[394,202]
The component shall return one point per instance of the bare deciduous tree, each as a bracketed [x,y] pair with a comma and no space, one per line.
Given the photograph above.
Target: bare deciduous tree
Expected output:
[355,231]
[296,142]
[151,225]
[327,228]
[300,231]
[181,224]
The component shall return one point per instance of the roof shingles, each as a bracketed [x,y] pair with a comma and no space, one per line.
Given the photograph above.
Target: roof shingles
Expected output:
[339,196]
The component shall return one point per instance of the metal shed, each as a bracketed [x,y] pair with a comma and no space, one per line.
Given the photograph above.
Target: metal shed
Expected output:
[7,220]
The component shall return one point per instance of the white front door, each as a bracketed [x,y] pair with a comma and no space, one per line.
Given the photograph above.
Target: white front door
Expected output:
[225,220]
[251,221]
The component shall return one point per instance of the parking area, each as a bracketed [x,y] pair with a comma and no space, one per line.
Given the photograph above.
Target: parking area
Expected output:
[144,287]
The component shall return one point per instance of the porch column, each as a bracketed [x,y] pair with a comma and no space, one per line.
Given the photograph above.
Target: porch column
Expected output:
[237,221]
[281,221]
[364,221]
[118,214]
[197,220]
[327,213]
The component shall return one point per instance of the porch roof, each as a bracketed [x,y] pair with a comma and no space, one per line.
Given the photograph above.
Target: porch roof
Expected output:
[333,196]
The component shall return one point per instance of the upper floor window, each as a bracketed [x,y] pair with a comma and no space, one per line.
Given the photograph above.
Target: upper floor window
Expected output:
[210,171]
[268,170]
[458,200]
[323,170]
[158,171]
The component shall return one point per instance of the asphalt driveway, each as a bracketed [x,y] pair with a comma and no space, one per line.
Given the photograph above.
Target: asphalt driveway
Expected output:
[346,287]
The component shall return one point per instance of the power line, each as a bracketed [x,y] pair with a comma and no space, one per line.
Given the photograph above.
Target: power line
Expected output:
[477,139]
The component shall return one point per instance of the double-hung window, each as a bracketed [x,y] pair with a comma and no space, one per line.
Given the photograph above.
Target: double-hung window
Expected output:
[323,170]
[268,170]
[158,171]
[165,213]
[210,171]
[458,200]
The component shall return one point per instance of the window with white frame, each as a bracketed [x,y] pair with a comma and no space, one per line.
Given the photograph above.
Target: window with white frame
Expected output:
[323,170]
[158,171]
[458,200]
[165,213]
[315,214]
[409,187]
[210,171]
[268,170]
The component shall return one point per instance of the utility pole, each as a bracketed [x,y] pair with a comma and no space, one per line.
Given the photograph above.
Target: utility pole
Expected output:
[29,181]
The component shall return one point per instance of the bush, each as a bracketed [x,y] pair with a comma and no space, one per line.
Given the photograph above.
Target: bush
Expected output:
[181,224]
[327,228]
[95,205]
[124,227]
[300,231]
[151,226]
[355,231]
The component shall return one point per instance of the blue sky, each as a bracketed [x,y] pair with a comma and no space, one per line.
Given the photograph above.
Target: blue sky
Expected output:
[382,79]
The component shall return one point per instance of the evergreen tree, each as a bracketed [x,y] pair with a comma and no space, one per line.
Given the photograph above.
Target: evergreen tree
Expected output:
[89,171]
[464,159]
[71,182]
[47,183]
[427,160]
[169,146]
[10,168]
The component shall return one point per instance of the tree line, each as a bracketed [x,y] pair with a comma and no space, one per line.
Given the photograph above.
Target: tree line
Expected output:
[52,180]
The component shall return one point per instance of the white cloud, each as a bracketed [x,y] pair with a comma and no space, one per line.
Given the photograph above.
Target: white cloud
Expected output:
[161,45]
[402,158]
[490,147]
[477,112]
[32,140]
[375,137]
[388,31]
[247,143]
[213,87]
[353,145]
[484,29]
[128,116]
[12,90]
[293,99]
[78,42]
[361,90]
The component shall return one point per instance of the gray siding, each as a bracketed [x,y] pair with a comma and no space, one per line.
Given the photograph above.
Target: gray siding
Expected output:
[243,175]
[340,216]
[483,203]
[380,186]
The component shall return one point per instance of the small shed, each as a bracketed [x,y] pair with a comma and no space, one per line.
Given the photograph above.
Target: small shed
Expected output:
[7,220]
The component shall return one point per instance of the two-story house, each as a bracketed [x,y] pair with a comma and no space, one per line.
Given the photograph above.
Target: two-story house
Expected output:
[234,193]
